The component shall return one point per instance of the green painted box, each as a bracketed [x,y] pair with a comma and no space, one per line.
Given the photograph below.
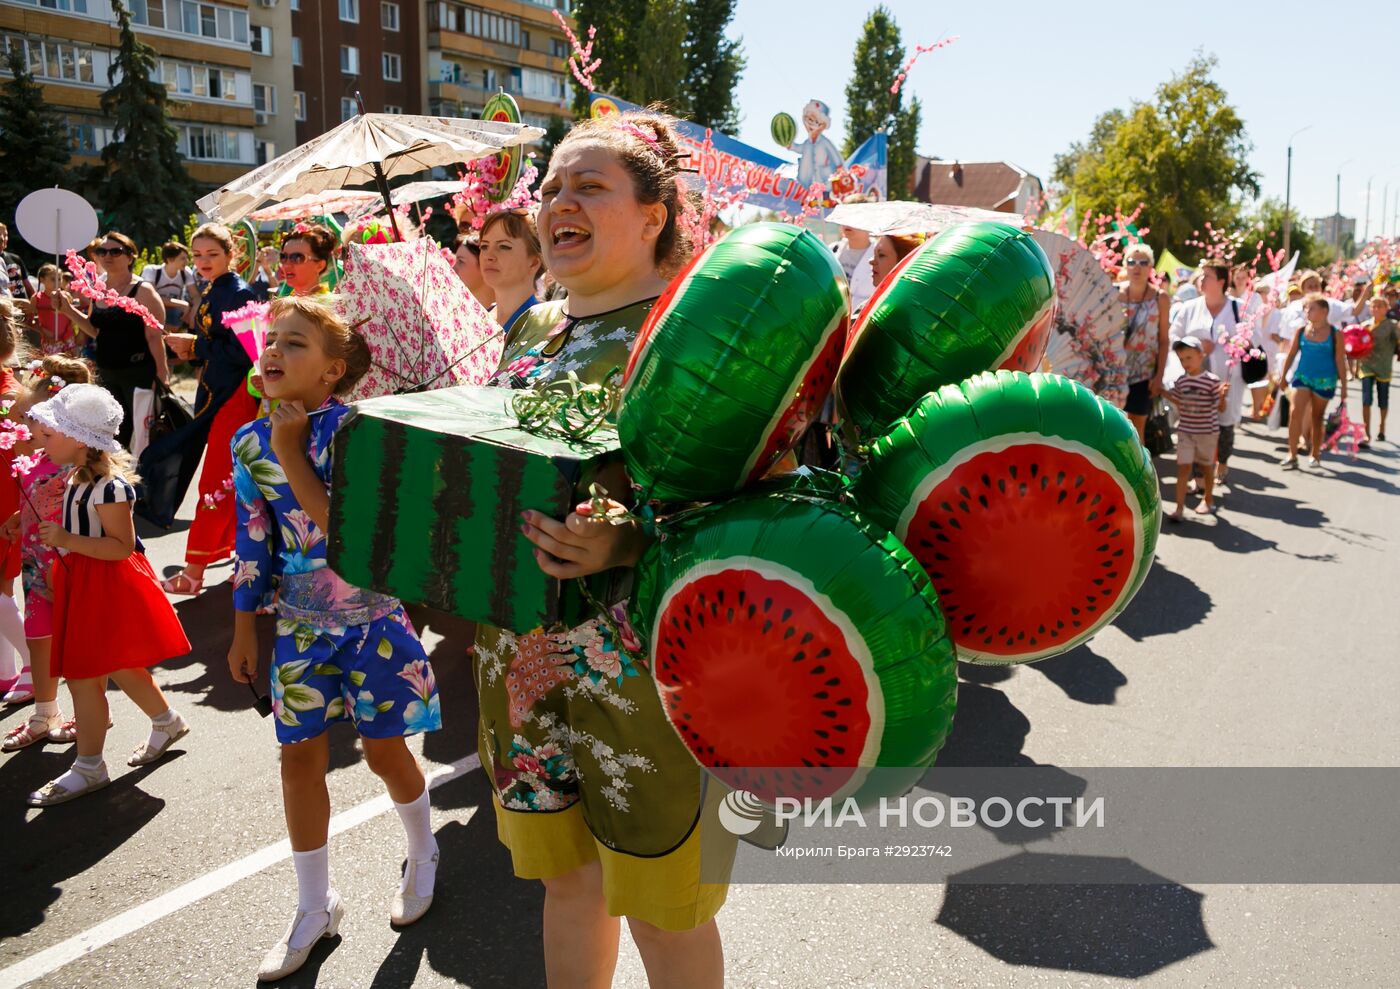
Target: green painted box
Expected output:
[426,497]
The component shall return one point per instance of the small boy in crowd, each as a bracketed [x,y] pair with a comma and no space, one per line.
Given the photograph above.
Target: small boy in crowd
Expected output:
[1199,397]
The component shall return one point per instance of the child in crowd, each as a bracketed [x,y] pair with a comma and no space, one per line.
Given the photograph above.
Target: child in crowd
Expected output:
[43,484]
[342,653]
[50,312]
[1374,369]
[1199,397]
[16,683]
[1321,364]
[110,618]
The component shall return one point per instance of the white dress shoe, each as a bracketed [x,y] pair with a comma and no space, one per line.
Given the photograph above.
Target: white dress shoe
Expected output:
[407,906]
[282,959]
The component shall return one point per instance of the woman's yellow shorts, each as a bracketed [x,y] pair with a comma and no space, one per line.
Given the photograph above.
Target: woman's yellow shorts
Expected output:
[664,891]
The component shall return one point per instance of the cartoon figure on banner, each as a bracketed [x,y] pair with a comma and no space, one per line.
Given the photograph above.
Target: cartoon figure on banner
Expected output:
[817,158]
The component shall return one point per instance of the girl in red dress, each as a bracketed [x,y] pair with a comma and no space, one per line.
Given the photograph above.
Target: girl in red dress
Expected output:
[16,683]
[110,617]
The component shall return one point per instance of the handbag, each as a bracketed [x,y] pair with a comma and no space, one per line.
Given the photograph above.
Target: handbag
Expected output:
[1157,433]
[1253,369]
[169,412]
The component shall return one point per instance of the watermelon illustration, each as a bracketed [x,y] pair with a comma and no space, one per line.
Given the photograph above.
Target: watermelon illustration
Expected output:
[733,363]
[1029,501]
[978,297]
[506,163]
[795,647]
[783,129]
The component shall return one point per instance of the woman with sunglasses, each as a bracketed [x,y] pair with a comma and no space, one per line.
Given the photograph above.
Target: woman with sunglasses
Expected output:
[1147,316]
[127,352]
[307,254]
[510,263]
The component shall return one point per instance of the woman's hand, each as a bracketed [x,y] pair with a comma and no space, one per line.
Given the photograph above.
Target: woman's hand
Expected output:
[290,431]
[182,344]
[1154,387]
[53,534]
[583,544]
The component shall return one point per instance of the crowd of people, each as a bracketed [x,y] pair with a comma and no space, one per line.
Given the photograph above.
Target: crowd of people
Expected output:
[571,287]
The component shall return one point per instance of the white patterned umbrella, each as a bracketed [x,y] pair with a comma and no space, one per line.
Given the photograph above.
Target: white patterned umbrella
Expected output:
[369,147]
[900,217]
[350,201]
[1087,342]
[425,330]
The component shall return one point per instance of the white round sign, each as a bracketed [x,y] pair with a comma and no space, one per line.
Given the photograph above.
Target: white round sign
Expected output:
[56,220]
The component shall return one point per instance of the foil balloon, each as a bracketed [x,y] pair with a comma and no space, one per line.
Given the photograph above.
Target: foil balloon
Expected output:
[796,648]
[505,165]
[245,239]
[1029,501]
[732,364]
[978,297]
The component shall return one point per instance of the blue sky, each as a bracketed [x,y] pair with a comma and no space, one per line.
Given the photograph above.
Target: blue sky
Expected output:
[1026,79]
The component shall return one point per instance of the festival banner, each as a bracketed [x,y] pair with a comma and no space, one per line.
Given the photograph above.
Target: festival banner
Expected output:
[729,163]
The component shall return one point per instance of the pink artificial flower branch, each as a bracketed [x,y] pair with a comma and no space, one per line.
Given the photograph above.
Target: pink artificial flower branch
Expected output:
[85,280]
[909,63]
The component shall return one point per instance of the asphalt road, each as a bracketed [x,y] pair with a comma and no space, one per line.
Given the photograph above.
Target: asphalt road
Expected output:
[1264,636]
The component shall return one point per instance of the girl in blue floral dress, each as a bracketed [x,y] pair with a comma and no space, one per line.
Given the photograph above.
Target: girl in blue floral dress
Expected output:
[342,653]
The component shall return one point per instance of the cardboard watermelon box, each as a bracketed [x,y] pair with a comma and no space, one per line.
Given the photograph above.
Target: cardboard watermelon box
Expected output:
[426,497]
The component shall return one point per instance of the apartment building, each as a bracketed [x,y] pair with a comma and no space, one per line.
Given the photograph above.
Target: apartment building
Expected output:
[475,49]
[343,47]
[205,61]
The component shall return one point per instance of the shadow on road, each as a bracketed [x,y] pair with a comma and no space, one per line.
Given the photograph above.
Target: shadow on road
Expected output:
[1083,675]
[63,841]
[1128,931]
[1166,603]
[485,926]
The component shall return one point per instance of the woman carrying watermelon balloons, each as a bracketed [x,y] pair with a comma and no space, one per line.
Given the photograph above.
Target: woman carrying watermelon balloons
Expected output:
[595,793]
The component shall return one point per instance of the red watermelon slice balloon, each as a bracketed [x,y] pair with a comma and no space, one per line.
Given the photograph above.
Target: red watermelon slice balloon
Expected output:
[978,297]
[796,648]
[1030,503]
[733,363]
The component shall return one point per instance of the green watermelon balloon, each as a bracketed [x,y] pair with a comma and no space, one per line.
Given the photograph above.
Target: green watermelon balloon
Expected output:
[784,129]
[795,647]
[1030,502]
[732,364]
[978,297]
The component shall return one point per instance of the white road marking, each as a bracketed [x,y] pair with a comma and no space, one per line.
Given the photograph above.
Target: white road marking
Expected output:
[49,960]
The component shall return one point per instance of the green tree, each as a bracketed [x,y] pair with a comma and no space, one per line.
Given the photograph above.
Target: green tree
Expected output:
[144,189]
[1265,224]
[33,142]
[714,65]
[871,107]
[641,48]
[1184,155]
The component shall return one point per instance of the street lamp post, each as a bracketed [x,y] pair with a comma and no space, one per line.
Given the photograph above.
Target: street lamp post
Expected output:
[1288,192]
[1366,230]
[1337,216]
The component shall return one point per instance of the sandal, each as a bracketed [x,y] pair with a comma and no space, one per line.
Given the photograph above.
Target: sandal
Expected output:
[146,753]
[51,793]
[20,690]
[182,583]
[33,731]
[68,731]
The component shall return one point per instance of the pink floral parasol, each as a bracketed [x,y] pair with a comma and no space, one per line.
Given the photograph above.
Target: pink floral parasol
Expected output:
[425,330]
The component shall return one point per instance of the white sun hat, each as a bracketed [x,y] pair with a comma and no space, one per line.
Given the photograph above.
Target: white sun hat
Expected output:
[86,413]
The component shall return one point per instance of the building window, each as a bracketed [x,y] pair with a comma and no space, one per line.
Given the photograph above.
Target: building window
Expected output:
[264,151]
[557,48]
[393,67]
[75,6]
[389,16]
[391,108]
[212,144]
[349,60]
[261,39]
[347,108]
[209,21]
[296,50]
[299,105]
[350,11]
[51,60]
[475,21]
[149,12]
[294,4]
[264,98]
[82,139]
[203,81]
